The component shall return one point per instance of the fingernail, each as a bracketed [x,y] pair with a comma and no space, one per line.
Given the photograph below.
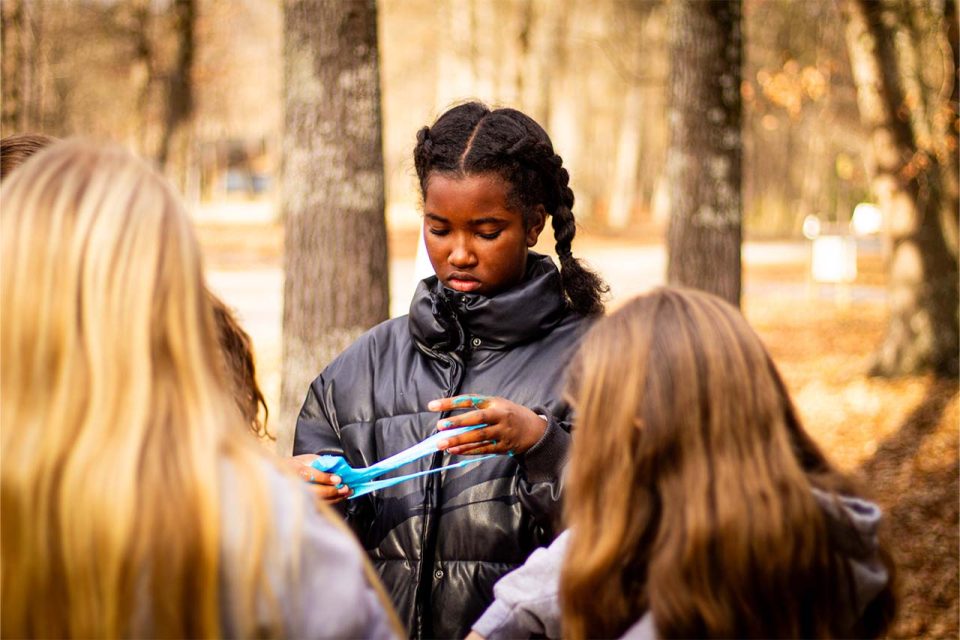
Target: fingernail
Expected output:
[445,424]
[336,479]
[433,405]
[344,490]
[443,444]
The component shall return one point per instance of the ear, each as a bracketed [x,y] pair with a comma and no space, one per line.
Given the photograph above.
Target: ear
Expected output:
[537,223]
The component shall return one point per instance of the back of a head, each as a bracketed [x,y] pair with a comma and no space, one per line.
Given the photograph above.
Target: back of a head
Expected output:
[114,411]
[689,487]
[15,149]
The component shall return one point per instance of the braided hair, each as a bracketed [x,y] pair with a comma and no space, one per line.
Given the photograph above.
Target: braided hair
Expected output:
[472,139]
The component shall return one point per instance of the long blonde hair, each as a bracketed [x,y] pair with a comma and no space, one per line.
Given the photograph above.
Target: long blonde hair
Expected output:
[689,487]
[115,413]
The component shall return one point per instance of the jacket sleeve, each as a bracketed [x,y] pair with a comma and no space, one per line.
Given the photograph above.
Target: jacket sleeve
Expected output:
[318,431]
[541,482]
[334,597]
[317,428]
[526,600]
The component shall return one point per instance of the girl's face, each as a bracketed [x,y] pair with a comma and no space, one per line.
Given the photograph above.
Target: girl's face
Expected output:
[475,243]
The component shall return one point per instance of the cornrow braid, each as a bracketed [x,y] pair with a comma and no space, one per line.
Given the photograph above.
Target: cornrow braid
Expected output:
[472,139]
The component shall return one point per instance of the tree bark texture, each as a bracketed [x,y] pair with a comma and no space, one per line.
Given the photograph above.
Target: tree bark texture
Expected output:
[335,259]
[22,29]
[704,156]
[914,179]
[180,89]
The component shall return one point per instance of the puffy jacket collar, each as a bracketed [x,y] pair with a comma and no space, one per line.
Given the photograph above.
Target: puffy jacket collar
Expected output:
[451,321]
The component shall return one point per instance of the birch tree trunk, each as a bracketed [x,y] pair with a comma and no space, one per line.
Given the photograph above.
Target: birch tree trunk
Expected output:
[335,260]
[704,156]
[913,167]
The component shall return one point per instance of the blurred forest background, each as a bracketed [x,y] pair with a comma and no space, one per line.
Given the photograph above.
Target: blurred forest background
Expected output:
[199,86]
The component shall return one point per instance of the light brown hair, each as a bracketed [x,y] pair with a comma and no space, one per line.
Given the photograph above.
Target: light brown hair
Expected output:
[689,489]
[18,147]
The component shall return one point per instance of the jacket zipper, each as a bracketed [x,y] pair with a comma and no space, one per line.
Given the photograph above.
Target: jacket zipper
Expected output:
[428,531]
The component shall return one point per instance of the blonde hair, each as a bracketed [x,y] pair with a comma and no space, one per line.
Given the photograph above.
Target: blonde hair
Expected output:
[689,487]
[116,416]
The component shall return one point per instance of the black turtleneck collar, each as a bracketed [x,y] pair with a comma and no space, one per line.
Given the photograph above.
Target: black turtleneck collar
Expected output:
[451,321]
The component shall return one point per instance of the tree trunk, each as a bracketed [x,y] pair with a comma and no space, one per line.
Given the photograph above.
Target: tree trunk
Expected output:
[22,32]
[456,70]
[623,191]
[704,157]
[11,28]
[175,135]
[912,181]
[335,260]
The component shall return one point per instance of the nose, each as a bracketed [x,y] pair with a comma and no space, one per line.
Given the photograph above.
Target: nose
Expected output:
[462,255]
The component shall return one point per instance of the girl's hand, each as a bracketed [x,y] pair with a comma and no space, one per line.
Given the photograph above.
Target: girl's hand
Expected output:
[322,485]
[510,429]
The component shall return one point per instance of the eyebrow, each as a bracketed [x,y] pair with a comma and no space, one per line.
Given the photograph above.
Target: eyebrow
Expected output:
[476,222]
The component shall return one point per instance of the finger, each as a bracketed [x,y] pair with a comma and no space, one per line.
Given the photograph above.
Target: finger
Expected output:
[477,449]
[470,437]
[471,449]
[469,419]
[327,501]
[327,493]
[464,401]
[320,477]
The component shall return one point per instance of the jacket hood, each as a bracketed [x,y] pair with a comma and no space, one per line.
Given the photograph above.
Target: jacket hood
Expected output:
[451,321]
[528,599]
[852,525]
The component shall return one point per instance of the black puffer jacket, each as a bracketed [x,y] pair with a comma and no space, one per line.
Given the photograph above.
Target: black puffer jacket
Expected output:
[440,542]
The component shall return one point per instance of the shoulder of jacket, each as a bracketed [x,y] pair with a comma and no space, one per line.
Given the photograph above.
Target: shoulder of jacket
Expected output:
[385,333]
[571,327]
[389,329]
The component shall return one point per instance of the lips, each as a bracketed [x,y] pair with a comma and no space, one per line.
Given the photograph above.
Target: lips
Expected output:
[462,282]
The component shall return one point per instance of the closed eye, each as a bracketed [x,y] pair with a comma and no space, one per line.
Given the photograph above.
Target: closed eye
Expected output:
[490,236]
[439,232]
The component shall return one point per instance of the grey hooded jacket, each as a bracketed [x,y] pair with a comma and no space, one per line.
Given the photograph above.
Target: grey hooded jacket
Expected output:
[527,599]
[314,566]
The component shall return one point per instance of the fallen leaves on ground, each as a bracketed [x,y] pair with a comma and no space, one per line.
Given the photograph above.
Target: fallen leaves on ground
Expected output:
[900,437]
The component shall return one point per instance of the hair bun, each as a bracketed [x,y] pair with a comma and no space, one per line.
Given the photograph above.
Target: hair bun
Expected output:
[423,152]
[423,135]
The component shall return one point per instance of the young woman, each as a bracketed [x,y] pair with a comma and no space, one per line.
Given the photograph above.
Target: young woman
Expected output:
[698,506]
[135,500]
[498,322]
